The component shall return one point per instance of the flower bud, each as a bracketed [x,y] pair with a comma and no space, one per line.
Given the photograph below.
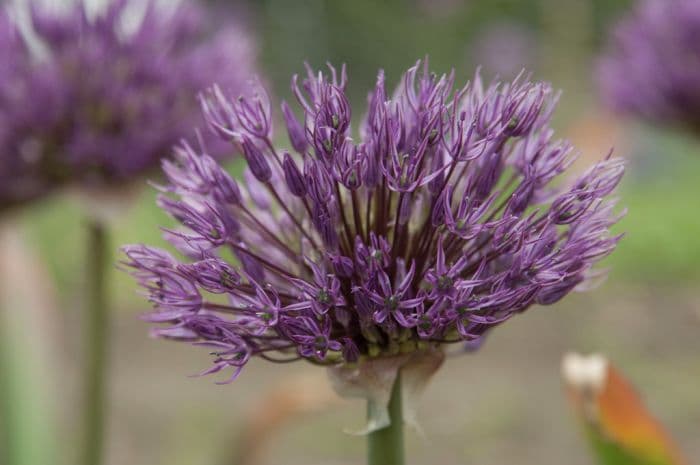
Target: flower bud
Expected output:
[256,161]
[293,177]
[297,135]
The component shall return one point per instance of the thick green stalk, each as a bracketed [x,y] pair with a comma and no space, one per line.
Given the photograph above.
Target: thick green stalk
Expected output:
[385,446]
[96,338]
[24,434]
[26,420]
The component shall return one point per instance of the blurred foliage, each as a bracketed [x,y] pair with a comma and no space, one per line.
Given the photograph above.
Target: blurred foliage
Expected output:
[619,427]
[662,230]
[392,34]
[610,453]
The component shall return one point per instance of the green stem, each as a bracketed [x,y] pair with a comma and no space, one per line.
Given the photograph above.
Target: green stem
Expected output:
[26,417]
[96,338]
[385,446]
[23,421]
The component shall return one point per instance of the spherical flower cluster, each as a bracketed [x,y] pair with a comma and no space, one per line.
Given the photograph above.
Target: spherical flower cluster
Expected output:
[435,221]
[97,99]
[652,66]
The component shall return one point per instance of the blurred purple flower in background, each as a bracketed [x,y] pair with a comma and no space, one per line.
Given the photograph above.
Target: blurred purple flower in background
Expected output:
[432,223]
[97,99]
[652,65]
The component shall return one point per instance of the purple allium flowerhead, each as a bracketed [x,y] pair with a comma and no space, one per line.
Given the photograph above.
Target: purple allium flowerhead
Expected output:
[433,221]
[651,68]
[95,100]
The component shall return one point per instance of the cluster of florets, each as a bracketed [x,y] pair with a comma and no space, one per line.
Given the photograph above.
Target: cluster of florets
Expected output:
[652,67]
[434,223]
[98,99]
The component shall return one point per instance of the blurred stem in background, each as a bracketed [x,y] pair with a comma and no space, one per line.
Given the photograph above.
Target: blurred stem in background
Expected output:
[386,446]
[96,341]
[26,303]
[22,414]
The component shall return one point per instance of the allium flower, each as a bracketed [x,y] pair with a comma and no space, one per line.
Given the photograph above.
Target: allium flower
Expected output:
[436,221]
[652,66]
[95,100]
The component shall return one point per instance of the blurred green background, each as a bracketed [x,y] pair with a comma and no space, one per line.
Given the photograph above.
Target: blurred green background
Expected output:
[503,405]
